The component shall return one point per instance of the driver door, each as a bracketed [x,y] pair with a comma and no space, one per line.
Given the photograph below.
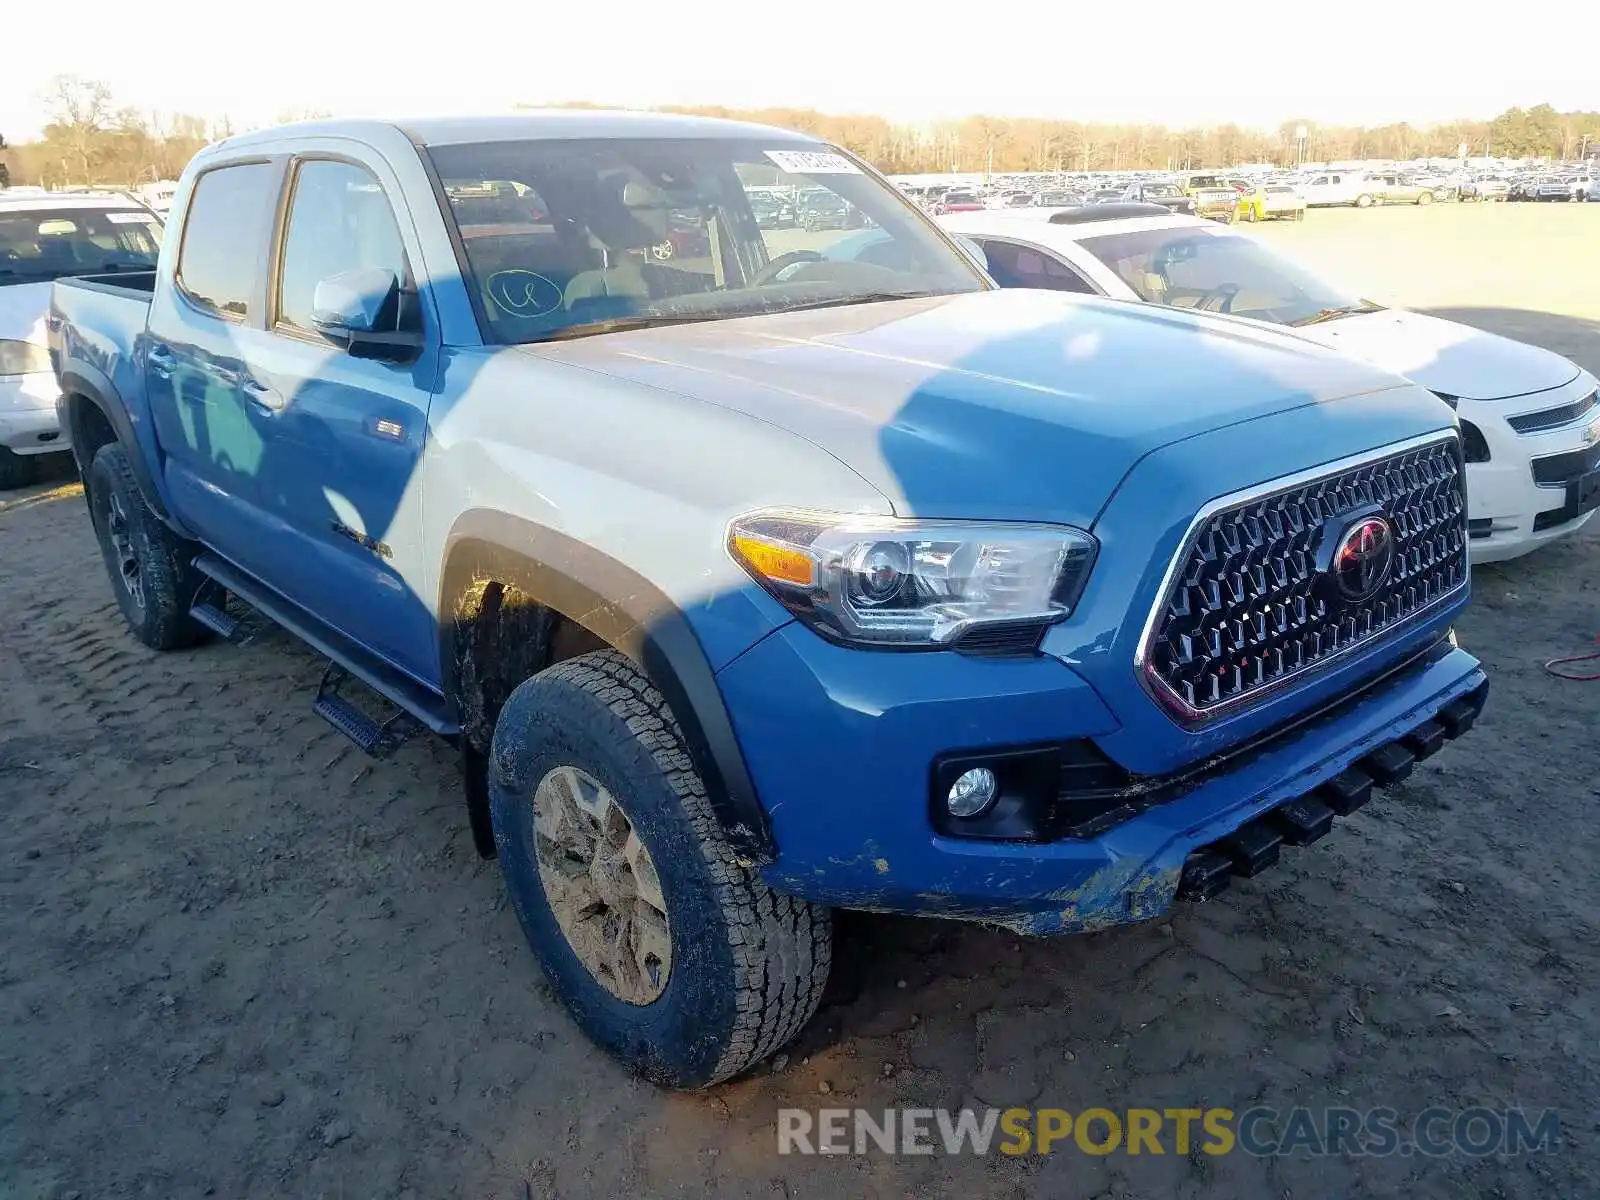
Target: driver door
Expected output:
[344,434]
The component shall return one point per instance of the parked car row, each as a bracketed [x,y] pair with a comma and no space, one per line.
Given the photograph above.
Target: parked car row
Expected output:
[1559,186]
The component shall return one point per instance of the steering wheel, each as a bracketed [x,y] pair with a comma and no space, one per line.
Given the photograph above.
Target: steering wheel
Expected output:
[1224,293]
[773,269]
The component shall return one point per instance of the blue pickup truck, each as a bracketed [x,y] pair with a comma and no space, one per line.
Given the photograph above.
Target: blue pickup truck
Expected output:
[793,571]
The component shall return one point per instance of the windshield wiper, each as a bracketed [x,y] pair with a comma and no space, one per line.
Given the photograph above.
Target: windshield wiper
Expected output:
[617,325]
[1331,314]
[859,298]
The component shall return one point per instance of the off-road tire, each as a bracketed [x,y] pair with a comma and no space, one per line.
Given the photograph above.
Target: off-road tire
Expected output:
[169,585]
[748,964]
[16,470]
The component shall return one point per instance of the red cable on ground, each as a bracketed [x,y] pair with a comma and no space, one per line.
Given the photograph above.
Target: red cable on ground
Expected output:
[1554,665]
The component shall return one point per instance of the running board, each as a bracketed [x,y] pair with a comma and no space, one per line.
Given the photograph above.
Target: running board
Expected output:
[394,685]
[215,619]
[380,740]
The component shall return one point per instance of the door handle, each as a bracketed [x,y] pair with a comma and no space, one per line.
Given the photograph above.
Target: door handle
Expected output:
[161,361]
[262,396]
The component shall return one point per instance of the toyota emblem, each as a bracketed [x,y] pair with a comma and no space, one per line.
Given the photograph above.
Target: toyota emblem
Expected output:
[1362,559]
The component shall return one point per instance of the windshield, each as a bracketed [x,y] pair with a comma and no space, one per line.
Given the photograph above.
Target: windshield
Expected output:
[1219,272]
[1164,191]
[568,237]
[40,244]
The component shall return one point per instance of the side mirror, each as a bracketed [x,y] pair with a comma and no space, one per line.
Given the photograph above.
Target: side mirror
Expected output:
[360,310]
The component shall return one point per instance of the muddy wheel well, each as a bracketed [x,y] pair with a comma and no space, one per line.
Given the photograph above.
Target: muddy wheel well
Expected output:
[89,427]
[502,637]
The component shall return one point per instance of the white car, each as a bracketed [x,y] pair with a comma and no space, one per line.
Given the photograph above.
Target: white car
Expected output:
[43,237]
[1329,188]
[1530,419]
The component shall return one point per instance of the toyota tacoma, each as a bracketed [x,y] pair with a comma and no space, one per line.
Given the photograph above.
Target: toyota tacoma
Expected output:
[762,583]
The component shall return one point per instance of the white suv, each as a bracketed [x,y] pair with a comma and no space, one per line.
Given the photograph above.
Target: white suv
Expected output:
[44,236]
[1530,419]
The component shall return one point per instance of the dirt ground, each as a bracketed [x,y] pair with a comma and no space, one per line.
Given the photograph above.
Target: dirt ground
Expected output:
[238,959]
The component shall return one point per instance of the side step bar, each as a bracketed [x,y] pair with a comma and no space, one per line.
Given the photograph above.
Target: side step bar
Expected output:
[380,740]
[396,686]
[214,618]
[1254,846]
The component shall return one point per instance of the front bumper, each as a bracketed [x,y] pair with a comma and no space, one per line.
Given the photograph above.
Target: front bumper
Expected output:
[1510,510]
[842,746]
[28,421]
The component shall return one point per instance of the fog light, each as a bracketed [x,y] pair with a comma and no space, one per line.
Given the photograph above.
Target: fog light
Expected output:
[972,792]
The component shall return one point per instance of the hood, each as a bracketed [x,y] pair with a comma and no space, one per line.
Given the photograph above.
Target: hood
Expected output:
[1444,356]
[23,307]
[1003,405]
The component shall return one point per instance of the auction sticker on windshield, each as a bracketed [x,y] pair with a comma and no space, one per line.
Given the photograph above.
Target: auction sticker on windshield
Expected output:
[813,162]
[130,218]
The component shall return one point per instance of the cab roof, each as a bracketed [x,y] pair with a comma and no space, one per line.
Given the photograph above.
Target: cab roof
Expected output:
[534,125]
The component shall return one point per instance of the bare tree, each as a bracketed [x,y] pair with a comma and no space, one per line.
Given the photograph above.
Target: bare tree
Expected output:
[80,110]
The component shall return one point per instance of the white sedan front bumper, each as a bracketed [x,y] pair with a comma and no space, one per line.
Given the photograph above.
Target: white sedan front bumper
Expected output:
[28,421]
[1542,481]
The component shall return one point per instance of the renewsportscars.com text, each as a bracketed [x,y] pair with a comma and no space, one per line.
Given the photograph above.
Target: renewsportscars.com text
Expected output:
[1259,1131]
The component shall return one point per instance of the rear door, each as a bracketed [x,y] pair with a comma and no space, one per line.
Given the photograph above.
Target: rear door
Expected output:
[213,439]
[345,434]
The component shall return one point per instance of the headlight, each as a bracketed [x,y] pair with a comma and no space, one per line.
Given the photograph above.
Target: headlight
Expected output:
[889,582]
[23,358]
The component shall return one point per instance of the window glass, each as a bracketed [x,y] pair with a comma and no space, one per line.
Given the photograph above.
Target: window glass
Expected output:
[566,237]
[224,236]
[1218,273]
[41,244]
[1016,266]
[339,221]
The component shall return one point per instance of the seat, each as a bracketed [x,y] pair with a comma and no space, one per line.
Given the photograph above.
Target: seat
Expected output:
[632,217]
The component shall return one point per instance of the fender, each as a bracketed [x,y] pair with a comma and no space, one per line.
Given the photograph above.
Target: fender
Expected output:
[80,379]
[626,611]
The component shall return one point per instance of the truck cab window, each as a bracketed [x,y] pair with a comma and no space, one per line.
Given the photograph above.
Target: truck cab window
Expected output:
[228,211]
[339,221]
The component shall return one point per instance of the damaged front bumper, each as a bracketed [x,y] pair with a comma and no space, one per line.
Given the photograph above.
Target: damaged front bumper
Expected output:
[845,750]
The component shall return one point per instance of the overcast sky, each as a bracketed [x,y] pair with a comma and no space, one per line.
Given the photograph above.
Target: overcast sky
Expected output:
[1354,61]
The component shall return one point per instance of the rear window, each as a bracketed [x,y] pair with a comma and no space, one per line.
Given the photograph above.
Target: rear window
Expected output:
[41,244]
[224,236]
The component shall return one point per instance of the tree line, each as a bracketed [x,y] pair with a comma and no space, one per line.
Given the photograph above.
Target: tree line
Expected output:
[90,139]
[999,144]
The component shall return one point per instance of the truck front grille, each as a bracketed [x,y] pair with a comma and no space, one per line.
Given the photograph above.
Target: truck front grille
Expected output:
[1273,584]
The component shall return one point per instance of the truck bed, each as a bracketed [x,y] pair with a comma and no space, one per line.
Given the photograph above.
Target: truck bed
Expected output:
[137,285]
[95,324]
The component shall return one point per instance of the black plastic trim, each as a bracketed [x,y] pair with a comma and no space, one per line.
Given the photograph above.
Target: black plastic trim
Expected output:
[1113,794]
[626,611]
[83,381]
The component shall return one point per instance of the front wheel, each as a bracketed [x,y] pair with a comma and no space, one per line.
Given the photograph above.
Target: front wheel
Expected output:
[1363,201]
[1425,198]
[668,952]
[150,566]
